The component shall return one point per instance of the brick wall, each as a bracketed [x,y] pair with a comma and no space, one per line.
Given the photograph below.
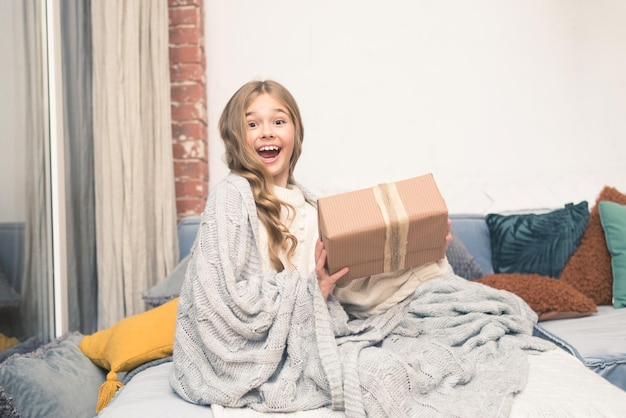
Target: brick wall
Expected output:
[189,105]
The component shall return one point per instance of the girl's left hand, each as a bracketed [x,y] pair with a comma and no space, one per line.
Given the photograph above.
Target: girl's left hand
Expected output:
[325,280]
[449,235]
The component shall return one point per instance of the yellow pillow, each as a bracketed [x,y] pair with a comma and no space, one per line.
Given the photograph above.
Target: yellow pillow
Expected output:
[129,343]
[7,342]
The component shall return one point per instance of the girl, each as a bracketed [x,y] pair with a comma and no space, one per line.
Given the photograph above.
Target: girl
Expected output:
[260,326]
[256,268]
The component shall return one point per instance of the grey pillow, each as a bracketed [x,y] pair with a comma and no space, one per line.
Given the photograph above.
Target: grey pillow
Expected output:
[168,288]
[461,260]
[56,380]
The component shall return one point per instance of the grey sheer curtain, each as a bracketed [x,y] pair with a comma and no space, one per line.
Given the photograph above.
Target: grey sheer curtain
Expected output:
[120,197]
[135,197]
[82,274]
[36,313]
[35,283]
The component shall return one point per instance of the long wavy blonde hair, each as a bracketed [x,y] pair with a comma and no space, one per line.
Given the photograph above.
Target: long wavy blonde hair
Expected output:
[242,159]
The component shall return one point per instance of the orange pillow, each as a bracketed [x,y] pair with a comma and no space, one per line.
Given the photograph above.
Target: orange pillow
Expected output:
[589,269]
[549,298]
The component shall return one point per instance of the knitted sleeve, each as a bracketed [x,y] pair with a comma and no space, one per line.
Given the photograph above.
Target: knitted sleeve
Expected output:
[243,339]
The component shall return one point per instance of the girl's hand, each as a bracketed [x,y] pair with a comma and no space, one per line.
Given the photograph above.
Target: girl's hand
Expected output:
[326,281]
[449,235]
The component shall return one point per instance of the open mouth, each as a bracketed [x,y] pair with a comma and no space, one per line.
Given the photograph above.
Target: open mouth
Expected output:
[268,151]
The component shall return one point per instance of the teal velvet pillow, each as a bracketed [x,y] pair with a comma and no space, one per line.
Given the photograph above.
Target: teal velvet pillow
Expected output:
[613,219]
[536,243]
[56,380]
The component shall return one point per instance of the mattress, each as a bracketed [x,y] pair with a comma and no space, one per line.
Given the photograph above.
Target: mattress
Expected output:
[598,341]
[558,385]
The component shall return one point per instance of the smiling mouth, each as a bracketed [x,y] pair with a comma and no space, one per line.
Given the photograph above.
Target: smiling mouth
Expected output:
[268,151]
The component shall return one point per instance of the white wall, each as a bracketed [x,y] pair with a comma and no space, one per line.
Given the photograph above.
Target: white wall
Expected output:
[511,105]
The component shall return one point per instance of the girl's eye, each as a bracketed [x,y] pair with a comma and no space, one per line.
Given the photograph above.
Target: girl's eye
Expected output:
[279,122]
[252,124]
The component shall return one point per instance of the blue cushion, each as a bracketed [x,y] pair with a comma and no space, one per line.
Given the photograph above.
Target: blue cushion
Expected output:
[187,231]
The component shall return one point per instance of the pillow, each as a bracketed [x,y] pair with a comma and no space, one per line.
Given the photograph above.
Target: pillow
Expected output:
[613,220]
[548,297]
[129,343]
[589,268]
[460,259]
[56,380]
[536,243]
[168,288]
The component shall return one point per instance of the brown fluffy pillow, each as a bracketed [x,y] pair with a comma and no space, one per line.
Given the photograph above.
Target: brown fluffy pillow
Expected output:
[550,298]
[589,269]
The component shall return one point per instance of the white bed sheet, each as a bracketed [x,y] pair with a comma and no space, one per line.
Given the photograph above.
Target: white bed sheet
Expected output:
[559,385]
[149,395]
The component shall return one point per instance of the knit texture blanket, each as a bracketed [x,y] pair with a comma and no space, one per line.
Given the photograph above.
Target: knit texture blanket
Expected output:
[273,344]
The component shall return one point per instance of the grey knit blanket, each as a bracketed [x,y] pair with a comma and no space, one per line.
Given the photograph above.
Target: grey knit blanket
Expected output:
[456,349]
[272,343]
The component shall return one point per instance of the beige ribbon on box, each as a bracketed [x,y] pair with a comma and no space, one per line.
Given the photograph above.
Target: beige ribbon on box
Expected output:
[397,225]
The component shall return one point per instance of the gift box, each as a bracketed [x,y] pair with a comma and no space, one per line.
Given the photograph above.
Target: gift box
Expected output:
[386,228]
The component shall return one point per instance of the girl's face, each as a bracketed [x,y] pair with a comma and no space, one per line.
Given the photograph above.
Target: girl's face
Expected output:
[271,133]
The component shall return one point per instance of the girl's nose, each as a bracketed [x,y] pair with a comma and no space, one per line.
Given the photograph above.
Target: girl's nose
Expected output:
[268,130]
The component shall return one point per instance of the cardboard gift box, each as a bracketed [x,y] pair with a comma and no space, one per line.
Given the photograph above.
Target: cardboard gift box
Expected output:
[385,228]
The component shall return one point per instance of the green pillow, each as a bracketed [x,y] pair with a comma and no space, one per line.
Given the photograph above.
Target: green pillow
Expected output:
[613,219]
[536,243]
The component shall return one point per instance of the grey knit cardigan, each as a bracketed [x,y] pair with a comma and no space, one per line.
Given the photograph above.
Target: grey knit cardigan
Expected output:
[272,343]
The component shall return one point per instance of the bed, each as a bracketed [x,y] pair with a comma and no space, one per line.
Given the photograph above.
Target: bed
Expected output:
[558,386]
[58,380]
[596,340]
[560,383]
